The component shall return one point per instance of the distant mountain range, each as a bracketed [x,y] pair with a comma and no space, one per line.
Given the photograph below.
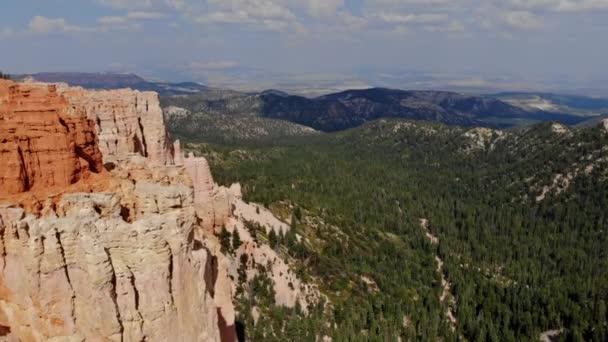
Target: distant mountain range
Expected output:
[354,107]
[350,108]
[115,81]
[571,104]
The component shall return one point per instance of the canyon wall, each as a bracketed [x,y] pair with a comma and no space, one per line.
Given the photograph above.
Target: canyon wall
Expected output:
[108,233]
[43,145]
[110,252]
[127,122]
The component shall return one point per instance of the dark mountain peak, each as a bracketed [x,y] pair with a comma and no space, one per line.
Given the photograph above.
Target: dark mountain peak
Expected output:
[351,108]
[274,92]
[369,93]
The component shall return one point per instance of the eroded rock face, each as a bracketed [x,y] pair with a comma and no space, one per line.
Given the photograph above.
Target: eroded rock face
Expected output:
[44,143]
[482,138]
[123,261]
[224,207]
[119,241]
[212,202]
[83,270]
[127,121]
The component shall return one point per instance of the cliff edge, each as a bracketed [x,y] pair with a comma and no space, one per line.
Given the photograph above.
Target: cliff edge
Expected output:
[100,235]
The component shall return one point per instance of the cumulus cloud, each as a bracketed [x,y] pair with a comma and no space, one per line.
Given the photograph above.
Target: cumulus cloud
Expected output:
[351,22]
[144,15]
[125,19]
[269,14]
[44,25]
[523,20]
[177,4]
[454,26]
[424,18]
[125,3]
[304,16]
[407,16]
[562,5]
[113,20]
[213,65]
[319,8]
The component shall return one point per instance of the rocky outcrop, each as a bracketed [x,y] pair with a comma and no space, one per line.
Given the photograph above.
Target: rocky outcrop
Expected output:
[82,271]
[127,121]
[213,203]
[225,207]
[125,260]
[107,232]
[44,143]
[481,138]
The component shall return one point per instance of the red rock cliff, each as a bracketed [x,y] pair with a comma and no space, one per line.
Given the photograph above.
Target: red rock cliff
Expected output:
[115,256]
[44,143]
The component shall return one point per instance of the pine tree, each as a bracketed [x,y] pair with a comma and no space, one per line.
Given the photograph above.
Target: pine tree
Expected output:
[272,239]
[224,237]
[297,213]
[236,240]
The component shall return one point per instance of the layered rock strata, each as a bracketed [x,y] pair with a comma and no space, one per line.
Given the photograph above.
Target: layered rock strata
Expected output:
[225,207]
[126,260]
[127,122]
[108,233]
[44,142]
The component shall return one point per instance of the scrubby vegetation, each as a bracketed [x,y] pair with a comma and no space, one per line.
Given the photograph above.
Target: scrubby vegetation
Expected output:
[519,263]
[226,117]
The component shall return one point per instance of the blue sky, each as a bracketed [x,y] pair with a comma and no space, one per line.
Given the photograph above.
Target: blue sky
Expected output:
[553,40]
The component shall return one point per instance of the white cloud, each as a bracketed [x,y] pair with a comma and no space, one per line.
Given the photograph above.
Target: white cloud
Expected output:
[213,65]
[125,3]
[523,20]
[562,5]
[408,2]
[113,20]
[177,4]
[144,15]
[352,22]
[337,16]
[452,27]
[44,25]
[269,14]
[321,8]
[407,16]
[126,19]
[397,18]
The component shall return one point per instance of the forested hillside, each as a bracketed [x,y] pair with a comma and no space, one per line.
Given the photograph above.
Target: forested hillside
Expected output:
[519,220]
[223,115]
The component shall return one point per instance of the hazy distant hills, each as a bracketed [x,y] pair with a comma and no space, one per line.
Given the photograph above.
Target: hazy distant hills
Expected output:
[571,104]
[353,107]
[258,114]
[115,81]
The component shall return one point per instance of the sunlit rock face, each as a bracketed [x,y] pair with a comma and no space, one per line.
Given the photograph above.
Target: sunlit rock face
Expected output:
[127,122]
[43,143]
[100,252]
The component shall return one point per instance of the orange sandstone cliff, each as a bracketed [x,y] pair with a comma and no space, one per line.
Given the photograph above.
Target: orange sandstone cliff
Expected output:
[43,143]
[117,247]
[107,232]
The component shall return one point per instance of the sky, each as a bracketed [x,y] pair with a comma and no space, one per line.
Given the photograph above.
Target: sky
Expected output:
[474,41]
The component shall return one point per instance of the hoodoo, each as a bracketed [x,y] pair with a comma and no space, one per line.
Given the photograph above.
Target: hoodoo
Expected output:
[109,252]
